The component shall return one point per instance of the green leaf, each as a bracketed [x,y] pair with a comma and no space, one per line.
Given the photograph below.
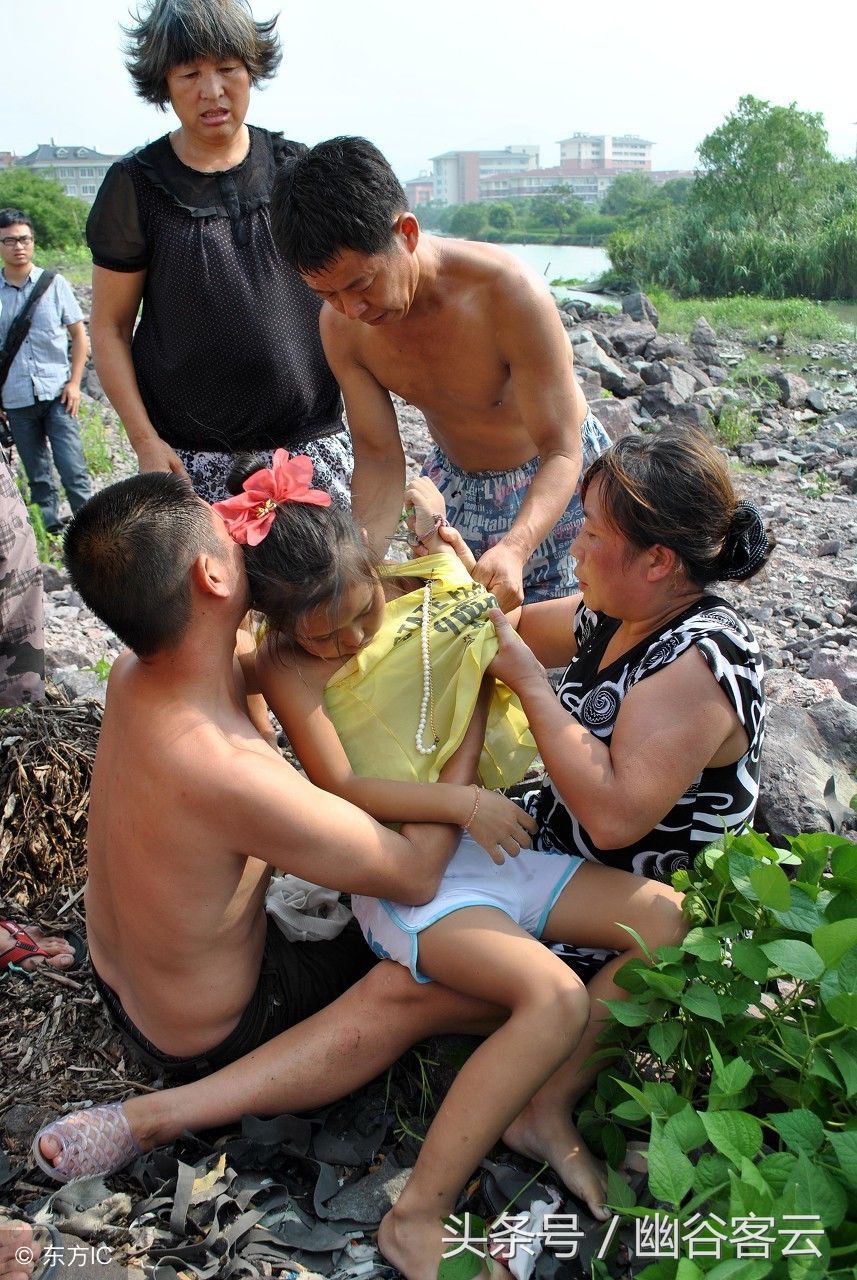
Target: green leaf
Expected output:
[670,1171]
[664,1039]
[819,1192]
[771,886]
[686,1129]
[797,959]
[630,1111]
[668,985]
[703,1001]
[777,1170]
[814,852]
[842,906]
[734,1076]
[703,943]
[463,1266]
[839,991]
[843,1051]
[628,1012]
[734,1133]
[845,1147]
[803,913]
[832,941]
[799,1130]
[662,1098]
[711,1171]
[619,1194]
[740,1269]
[750,960]
[843,862]
[688,1270]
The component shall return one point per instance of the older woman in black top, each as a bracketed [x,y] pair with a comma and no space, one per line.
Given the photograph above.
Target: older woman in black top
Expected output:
[226,356]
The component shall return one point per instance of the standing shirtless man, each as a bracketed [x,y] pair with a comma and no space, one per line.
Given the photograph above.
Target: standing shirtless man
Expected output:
[464,332]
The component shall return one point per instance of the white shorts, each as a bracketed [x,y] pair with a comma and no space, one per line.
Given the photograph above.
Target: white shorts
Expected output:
[523,888]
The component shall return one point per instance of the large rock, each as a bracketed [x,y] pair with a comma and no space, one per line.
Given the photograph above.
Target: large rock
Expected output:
[838,665]
[665,345]
[702,334]
[615,416]
[792,390]
[629,338]
[660,372]
[660,400]
[639,306]
[589,380]
[620,381]
[804,748]
[692,415]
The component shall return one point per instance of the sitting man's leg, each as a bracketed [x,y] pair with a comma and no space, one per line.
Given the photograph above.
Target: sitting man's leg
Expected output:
[336,1050]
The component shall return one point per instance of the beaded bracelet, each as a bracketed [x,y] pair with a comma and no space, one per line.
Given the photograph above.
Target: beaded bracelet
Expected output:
[466,825]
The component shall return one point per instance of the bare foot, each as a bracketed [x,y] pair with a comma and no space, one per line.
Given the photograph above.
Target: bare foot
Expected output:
[18,1250]
[539,1137]
[60,953]
[417,1246]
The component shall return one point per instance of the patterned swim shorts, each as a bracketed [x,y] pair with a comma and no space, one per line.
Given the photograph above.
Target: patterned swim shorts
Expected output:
[332,459]
[482,505]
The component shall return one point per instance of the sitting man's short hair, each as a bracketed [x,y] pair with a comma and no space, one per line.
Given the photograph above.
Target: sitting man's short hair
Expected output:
[129,551]
[340,194]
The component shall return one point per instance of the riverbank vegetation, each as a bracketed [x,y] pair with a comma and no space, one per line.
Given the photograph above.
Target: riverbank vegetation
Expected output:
[770,212]
[754,318]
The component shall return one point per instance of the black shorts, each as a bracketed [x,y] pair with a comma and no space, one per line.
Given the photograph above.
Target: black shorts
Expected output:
[296,980]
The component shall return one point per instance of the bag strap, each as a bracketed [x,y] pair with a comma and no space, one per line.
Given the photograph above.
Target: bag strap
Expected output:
[20,326]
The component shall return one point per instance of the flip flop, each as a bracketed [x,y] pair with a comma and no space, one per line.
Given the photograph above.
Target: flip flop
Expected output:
[24,947]
[95,1142]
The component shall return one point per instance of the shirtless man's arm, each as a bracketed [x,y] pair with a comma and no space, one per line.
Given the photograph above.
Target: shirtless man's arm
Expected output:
[271,812]
[534,343]
[378,480]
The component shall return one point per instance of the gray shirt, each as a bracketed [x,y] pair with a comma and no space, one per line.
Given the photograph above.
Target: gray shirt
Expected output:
[40,370]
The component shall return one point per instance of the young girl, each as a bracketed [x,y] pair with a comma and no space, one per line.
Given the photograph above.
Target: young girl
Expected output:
[366,667]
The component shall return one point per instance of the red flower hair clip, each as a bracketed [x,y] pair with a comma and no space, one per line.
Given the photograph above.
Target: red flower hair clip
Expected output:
[249,515]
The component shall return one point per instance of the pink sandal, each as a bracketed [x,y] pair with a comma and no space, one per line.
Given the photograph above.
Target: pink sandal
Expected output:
[96,1142]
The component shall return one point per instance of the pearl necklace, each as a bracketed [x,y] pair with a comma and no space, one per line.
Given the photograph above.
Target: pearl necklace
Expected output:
[425,705]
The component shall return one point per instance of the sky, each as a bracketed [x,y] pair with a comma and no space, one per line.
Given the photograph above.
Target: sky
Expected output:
[456,75]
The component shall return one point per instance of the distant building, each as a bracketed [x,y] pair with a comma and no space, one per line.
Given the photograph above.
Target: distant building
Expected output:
[419,190]
[589,187]
[79,170]
[457,174]
[625,153]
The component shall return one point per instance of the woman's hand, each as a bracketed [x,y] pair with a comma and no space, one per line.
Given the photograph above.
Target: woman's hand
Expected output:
[515,663]
[500,826]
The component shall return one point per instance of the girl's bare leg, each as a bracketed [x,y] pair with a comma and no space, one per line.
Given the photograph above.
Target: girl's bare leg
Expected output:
[481,951]
[589,912]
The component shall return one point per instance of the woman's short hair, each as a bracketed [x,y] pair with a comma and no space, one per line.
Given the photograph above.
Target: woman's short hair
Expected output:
[674,489]
[170,32]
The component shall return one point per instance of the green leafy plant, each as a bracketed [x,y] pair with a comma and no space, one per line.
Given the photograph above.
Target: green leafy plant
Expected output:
[736,425]
[739,1053]
[93,436]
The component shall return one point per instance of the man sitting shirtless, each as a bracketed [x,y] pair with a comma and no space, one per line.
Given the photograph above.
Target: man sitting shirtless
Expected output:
[468,335]
[190,809]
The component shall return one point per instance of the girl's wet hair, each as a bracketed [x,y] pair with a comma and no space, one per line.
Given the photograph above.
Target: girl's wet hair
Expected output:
[309,558]
[167,33]
[674,489]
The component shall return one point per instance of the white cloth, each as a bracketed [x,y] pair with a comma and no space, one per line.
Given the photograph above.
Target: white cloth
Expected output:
[305,912]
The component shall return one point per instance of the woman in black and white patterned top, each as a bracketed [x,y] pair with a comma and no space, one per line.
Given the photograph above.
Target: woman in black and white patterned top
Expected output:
[652,742]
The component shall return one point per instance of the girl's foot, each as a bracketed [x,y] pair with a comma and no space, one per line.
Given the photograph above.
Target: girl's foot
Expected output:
[417,1246]
[101,1139]
[539,1137]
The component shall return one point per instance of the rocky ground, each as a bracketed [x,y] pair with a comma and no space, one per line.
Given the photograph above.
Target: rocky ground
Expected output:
[787,418]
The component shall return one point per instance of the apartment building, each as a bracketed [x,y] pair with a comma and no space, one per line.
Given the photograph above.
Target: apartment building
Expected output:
[458,174]
[419,190]
[79,170]
[625,153]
